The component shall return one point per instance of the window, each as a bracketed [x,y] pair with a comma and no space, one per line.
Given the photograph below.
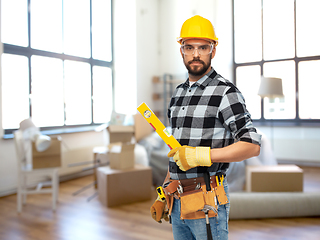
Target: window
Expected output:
[278,39]
[56,63]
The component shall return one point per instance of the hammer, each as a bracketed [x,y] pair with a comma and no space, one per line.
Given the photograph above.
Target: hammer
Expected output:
[206,209]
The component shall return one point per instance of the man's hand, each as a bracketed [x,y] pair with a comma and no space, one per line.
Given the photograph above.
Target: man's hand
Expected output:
[189,157]
[158,211]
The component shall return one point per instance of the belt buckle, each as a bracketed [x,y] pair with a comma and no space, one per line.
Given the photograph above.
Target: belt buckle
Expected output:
[180,189]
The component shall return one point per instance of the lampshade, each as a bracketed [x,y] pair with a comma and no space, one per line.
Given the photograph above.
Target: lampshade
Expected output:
[30,131]
[27,123]
[270,87]
[42,142]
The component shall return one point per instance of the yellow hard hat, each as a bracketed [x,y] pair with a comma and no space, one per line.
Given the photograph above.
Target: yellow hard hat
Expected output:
[197,27]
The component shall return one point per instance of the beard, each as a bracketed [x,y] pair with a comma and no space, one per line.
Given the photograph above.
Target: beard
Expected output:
[198,70]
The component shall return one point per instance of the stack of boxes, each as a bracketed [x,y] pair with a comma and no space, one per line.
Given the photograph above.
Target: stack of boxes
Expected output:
[121,148]
[123,182]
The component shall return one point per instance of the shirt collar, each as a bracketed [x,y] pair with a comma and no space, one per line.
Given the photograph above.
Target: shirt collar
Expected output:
[204,81]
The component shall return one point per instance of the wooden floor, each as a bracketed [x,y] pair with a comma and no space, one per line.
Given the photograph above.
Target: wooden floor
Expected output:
[79,219]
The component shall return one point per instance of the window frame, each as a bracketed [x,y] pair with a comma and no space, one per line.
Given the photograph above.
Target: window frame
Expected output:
[277,122]
[28,52]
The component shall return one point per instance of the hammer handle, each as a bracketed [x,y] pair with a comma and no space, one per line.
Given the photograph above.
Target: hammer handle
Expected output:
[206,177]
[209,234]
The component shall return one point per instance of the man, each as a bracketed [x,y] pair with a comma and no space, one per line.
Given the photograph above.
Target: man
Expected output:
[210,120]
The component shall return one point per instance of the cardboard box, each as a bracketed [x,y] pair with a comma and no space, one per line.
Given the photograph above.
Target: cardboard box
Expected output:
[49,158]
[142,128]
[121,155]
[118,187]
[278,178]
[119,133]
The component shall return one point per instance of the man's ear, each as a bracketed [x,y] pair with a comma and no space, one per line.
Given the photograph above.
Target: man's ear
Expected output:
[213,52]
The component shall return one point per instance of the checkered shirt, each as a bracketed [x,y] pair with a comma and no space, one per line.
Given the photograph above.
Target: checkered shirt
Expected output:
[212,112]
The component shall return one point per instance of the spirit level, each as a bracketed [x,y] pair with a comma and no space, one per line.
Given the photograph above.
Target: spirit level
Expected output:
[157,125]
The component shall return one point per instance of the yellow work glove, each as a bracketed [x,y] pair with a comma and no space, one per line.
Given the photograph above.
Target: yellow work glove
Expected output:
[189,157]
[158,211]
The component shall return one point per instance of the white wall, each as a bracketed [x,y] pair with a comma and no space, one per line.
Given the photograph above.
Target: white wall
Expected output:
[125,55]
[147,14]
[136,45]
[299,145]
[172,16]
[153,26]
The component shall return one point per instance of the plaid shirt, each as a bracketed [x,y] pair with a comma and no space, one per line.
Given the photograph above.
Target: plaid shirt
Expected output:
[211,113]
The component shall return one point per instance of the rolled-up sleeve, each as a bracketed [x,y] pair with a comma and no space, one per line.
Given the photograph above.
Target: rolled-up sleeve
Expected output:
[235,117]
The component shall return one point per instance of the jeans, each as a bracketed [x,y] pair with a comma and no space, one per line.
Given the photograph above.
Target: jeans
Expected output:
[195,229]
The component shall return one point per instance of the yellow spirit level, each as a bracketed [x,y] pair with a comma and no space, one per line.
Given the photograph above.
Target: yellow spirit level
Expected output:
[157,125]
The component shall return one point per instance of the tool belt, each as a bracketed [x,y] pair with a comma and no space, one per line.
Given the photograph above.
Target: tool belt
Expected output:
[194,196]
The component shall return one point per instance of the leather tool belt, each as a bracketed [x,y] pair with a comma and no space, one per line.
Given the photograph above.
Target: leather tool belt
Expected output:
[194,196]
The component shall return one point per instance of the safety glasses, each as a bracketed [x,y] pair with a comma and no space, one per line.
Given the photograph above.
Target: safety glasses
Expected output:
[189,49]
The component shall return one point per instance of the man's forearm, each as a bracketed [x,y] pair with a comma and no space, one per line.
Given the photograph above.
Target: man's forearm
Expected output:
[236,152]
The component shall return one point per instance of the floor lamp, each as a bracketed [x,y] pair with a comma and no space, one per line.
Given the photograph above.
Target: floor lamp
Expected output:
[270,87]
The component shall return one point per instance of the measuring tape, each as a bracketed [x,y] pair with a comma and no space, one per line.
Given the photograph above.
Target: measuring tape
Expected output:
[157,125]
[161,194]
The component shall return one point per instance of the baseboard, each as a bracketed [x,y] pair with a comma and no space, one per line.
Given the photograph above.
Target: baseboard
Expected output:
[8,192]
[61,179]
[299,162]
